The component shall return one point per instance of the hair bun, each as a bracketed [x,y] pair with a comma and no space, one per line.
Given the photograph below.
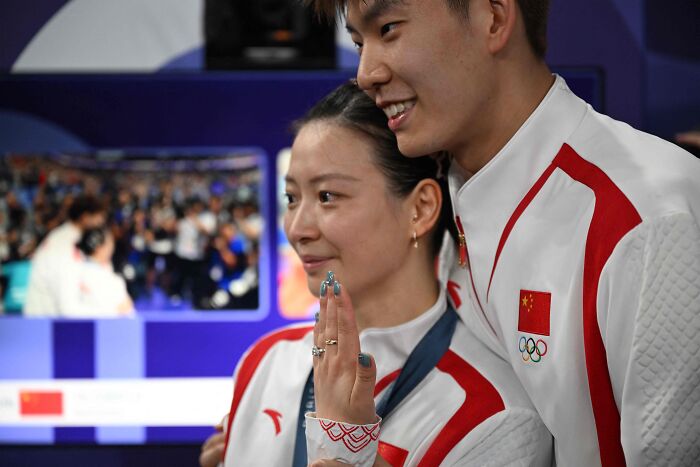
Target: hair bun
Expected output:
[91,240]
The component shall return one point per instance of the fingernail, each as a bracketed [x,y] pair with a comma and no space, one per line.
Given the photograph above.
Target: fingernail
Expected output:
[316,315]
[324,286]
[364,360]
[336,288]
[329,277]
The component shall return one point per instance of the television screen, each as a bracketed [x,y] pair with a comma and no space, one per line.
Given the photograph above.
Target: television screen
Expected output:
[186,228]
[191,248]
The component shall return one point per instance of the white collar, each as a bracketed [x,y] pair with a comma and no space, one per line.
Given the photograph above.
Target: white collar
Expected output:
[487,199]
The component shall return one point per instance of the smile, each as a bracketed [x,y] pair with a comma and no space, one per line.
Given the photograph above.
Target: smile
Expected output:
[397,109]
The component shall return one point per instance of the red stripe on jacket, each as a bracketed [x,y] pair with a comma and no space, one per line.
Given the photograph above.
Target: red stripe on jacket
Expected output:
[251,362]
[481,402]
[613,217]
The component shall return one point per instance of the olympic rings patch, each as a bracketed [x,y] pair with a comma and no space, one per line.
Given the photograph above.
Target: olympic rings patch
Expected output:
[532,350]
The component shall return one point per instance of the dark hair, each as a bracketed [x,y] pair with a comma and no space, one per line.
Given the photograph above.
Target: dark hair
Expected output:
[92,239]
[535,13]
[349,107]
[84,204]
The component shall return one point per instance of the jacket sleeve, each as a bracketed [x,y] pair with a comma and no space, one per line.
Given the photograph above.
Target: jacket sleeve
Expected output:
[228,419]
[351,444]
[649,318]
[515,436]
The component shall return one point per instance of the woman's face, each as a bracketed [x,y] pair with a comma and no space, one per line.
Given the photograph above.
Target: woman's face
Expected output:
[341,216]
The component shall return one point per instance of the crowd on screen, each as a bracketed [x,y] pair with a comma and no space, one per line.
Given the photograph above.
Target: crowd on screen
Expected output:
[189,238]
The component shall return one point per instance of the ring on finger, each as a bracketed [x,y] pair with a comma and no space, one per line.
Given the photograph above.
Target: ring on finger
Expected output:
[317,351]
[331,342]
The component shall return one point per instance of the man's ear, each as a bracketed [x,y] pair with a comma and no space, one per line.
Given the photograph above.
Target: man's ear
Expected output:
[503,14]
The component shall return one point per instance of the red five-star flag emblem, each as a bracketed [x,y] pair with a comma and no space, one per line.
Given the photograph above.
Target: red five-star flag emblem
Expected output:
[41,403]
[533,316]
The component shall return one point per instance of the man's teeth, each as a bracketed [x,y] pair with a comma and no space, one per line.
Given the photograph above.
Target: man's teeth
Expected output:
[394,109]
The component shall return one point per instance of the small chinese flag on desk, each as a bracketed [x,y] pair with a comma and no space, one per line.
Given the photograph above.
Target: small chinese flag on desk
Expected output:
[40,403]
[533,316]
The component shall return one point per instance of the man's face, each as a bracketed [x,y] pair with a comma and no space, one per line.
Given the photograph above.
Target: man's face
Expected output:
[92,220]
[427,67]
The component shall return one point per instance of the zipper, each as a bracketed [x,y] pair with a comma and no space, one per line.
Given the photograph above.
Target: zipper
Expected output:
[462,243]
[464,263]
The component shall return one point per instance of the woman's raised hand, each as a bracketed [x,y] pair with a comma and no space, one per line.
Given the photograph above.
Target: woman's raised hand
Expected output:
[344,378]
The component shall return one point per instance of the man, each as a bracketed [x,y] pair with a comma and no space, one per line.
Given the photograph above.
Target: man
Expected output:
[580,243]
[191,241]
[56,254]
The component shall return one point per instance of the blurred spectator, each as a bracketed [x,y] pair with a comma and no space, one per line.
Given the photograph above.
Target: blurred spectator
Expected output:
[4,242]
[228,264]
[160,241]
[248,219]
[17,240]
[191,240]
[216,207]
[101,292]
[131,253]
[45,295]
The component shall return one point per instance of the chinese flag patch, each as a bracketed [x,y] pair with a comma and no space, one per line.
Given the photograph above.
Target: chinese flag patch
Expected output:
[533,316]
[41,403]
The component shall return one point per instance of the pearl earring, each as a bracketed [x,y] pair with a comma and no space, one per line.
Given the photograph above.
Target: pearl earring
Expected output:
[415,235]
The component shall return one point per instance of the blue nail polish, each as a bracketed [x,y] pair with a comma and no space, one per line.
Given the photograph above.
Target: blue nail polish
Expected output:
[324,286]
[364,360]
[336,288]
[329,277]
[316,316]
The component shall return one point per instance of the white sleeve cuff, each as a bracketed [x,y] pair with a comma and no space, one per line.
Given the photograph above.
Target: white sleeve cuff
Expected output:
[352,444]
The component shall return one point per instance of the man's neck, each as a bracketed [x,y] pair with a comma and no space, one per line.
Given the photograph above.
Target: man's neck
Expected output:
[518,95]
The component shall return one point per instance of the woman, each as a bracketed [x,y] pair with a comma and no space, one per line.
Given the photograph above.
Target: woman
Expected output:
[86,285]
[101,292]
[373,218]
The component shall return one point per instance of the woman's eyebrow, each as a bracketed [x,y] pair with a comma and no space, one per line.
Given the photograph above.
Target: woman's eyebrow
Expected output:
[324,178]
[333,176]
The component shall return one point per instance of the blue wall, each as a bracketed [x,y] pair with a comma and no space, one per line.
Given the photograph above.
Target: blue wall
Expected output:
[648,51]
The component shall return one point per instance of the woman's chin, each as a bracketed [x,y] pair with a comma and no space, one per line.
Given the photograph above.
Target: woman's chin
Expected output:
[314,286]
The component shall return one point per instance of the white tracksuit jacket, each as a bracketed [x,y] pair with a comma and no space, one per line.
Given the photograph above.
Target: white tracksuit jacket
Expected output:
[583,271]
[470,410]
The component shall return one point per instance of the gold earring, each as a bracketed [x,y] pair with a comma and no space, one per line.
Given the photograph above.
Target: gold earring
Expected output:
[415,239]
